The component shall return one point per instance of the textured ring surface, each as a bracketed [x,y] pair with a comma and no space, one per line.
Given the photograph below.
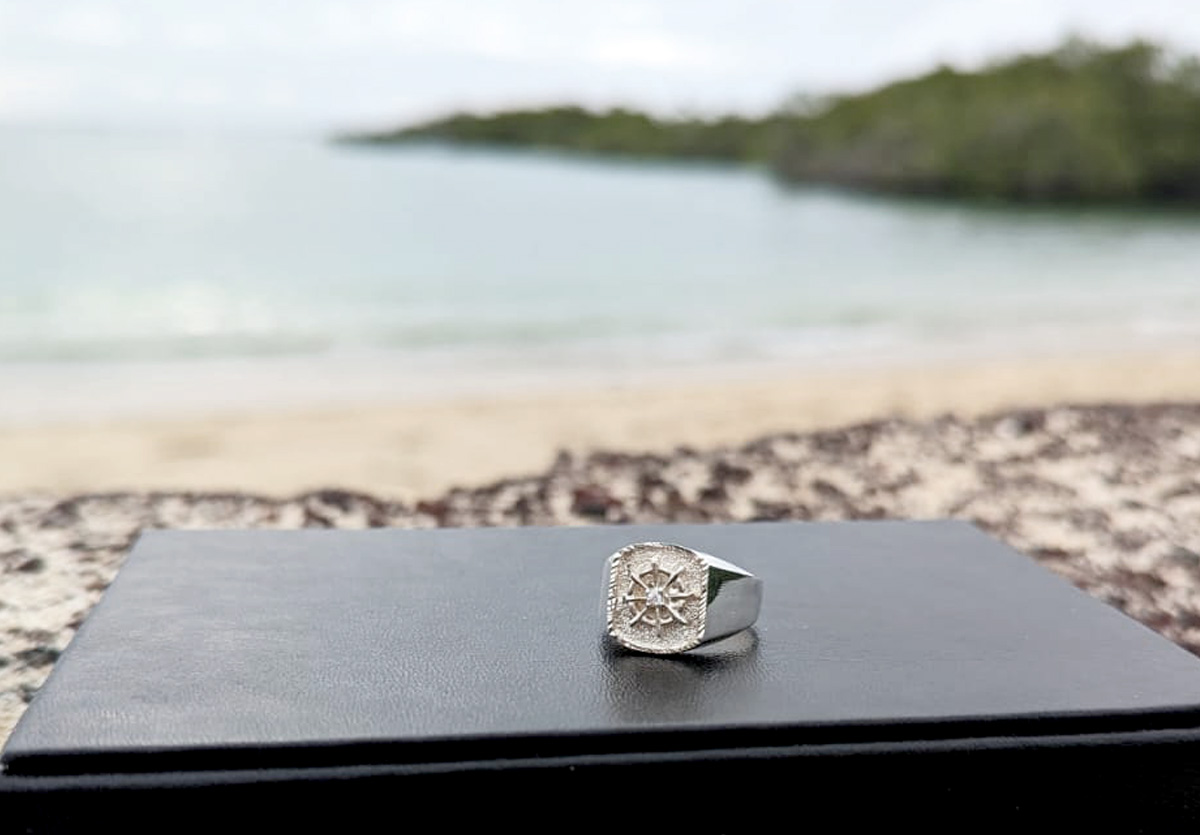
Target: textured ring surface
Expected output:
[666,598]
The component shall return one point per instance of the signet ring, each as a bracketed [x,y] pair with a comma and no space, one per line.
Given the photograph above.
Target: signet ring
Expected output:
[665,598]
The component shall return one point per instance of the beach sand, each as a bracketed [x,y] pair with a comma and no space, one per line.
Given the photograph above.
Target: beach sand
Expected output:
[1107,496]
[425,446]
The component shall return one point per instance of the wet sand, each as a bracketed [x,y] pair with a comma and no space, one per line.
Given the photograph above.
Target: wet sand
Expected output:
[427,445]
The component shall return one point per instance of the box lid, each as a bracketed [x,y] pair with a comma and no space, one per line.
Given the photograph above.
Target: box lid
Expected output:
[239,649]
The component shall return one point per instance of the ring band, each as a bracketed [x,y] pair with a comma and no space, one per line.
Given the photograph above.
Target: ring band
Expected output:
[665,598]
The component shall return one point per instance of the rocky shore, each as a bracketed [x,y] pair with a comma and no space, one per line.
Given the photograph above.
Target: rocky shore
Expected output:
[1107,496]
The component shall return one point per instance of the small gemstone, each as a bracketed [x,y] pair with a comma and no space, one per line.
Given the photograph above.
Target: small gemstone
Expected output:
[654,597]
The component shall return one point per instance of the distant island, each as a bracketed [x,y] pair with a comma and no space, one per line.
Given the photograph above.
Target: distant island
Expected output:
[1083,122]
[616,132]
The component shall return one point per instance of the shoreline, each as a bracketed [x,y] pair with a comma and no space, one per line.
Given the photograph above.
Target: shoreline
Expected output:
[423,446]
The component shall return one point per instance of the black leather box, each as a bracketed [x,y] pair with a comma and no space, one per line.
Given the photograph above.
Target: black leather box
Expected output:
[900,673]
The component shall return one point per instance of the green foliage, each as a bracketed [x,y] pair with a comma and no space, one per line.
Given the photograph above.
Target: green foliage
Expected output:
[616,132]
[1080,123]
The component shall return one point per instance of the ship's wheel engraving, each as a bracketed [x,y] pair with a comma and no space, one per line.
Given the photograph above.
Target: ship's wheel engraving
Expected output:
[657,596]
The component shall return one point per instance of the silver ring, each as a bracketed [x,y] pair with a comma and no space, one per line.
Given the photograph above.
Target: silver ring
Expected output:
[665,598]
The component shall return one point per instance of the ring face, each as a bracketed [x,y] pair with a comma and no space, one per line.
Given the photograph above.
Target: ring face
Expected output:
[657,597]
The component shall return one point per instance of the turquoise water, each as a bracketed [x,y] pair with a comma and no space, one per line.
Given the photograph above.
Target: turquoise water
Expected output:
[173,248]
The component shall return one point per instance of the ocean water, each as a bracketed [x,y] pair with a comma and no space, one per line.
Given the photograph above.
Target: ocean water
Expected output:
[257,260]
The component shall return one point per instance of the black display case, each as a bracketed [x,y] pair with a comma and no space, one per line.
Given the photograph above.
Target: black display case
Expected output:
[900,672]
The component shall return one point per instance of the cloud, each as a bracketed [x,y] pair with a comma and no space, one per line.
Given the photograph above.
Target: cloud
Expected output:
[320,63]
[653,51]
[31,91]
[93,25]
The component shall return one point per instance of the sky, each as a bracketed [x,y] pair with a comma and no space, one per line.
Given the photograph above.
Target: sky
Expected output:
[352,64]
